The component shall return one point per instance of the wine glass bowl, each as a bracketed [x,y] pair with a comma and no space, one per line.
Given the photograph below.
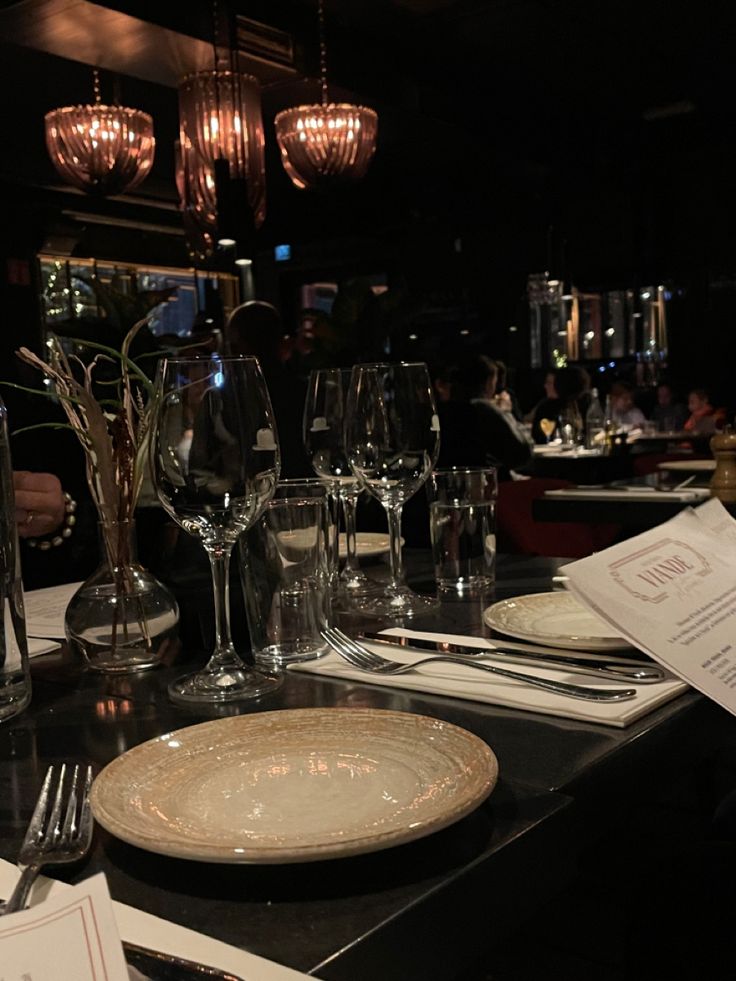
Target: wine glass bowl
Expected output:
[215,463]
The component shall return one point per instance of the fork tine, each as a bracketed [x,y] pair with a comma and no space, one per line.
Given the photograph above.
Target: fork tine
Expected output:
[69,827]
[367,658]
[53,827]
[86,823]
[346,648]
[36,824]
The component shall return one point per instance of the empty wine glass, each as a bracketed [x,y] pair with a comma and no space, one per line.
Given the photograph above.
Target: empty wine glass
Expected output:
[215,462]
[392,437]
[324,419]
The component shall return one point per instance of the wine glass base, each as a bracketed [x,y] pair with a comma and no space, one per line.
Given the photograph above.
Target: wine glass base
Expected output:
[224,685]
[396,603]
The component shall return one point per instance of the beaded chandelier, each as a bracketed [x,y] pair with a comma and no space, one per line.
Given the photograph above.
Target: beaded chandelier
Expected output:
[326,143]
[221,140]
[100,149]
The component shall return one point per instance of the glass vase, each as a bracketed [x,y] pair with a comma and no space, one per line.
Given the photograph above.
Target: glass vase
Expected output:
[122,618]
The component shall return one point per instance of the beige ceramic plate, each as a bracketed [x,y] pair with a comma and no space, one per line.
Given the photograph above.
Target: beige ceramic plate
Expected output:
[367,544]
[691,466]
[294,786]
[557,619]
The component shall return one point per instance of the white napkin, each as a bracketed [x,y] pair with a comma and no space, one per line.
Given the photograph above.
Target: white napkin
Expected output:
[146,930]
[461,682]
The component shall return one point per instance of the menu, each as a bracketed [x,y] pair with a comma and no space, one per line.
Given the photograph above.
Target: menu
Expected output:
[72,937]
[672,593]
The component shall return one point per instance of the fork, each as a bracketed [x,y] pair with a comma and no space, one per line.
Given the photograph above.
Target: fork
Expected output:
[53,837]
[360,657]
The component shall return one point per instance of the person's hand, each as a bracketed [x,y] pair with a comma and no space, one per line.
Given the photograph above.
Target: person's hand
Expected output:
[503,401]
[39,503]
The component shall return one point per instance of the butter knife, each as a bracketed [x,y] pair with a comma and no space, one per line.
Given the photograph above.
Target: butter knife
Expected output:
[158,966]
[621,670]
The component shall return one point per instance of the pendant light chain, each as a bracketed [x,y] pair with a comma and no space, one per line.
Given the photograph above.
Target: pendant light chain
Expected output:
[322,51]
[96,86]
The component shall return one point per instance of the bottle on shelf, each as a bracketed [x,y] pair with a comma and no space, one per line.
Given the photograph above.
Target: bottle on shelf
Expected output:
[595,424]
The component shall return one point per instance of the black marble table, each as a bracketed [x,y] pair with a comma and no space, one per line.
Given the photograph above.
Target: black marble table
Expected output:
[423,910]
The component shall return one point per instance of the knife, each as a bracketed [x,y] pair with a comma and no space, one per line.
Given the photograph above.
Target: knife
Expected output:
[622,670]
[166,967]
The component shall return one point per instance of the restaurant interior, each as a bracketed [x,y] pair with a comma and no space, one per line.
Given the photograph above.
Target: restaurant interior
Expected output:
[531,199]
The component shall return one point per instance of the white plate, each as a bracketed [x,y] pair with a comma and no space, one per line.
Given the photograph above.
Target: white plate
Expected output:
[367,544]
[294,786]
[557,619]
[692,466]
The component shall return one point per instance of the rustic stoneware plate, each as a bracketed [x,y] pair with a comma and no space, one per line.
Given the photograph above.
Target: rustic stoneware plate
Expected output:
[294,786]
[557,619]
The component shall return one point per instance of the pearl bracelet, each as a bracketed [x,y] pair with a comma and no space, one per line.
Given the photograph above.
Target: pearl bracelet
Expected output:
[70,519]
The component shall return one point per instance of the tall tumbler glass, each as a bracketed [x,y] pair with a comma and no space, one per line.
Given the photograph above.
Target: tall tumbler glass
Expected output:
[15,673]
[462,524]
[215,463]
[324,418]
[392,436]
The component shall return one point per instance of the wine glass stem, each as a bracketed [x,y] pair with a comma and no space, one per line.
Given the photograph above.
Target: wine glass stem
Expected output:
[349,505]
[220,562]
[394,530]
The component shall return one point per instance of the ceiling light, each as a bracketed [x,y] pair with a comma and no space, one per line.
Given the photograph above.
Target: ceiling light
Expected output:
[100,149]
[326,143]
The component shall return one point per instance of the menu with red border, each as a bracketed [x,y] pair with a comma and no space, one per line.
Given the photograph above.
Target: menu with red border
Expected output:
[73,937]
[672,593]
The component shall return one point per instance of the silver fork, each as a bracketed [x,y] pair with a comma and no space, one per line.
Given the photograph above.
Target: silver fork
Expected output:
[60,830]
[361,657]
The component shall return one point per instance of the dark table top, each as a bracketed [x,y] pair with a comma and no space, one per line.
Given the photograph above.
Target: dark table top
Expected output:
[635,515]
[421,910]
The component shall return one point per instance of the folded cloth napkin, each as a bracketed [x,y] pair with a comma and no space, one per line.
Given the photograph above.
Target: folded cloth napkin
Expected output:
[461,682]
[146,930]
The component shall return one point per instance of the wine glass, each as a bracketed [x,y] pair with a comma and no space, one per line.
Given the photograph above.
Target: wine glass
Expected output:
[548,427]
[392,437]
[324,417]
[214,463]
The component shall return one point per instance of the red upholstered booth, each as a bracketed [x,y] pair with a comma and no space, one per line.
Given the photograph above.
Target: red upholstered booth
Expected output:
[518,532]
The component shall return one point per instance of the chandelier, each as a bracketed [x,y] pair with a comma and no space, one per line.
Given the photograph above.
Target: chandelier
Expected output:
[221,171]
[327,143]
[100,149]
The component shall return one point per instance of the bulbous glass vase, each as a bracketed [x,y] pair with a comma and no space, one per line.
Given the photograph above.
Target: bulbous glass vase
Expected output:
[122,618]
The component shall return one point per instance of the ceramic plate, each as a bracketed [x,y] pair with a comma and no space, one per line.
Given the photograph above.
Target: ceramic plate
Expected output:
[367,544]
[557,619]
[294,786]
[691,466]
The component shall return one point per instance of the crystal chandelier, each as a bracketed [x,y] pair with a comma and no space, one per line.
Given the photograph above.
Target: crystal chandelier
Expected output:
[221,166]
[100,149]
[327,143]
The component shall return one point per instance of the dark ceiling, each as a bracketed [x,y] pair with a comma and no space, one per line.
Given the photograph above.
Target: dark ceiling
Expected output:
[592,136]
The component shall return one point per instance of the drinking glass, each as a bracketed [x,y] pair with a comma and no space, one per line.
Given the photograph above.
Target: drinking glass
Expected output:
[462,526]
[392,437]
[548,427]
[215,462]
[324,418]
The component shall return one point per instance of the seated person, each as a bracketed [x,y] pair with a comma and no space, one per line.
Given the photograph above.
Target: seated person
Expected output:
[669,415]
[255,329]
[39,503]
[474,431]
[571,388]
[704,419]
[626,414]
